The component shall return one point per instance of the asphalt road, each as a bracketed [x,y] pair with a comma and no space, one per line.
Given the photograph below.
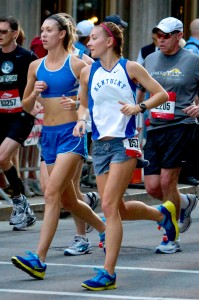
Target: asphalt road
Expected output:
[141,274]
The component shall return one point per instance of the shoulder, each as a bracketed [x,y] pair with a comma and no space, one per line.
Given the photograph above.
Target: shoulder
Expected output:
[77,65]
[148,47]
[87,59]
[35,64]
[21,52]
[76,62]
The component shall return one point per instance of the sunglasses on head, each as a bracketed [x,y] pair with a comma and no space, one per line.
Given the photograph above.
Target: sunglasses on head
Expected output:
[5,31]
[166,36]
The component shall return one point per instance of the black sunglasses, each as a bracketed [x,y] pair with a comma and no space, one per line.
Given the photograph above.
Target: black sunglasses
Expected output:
[5,31]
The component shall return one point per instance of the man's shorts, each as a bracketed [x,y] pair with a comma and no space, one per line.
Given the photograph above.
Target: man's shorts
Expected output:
[167,148]
[59,139]
[105,152]
[16,126]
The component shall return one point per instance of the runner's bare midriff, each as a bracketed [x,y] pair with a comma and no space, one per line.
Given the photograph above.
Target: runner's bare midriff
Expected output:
[54,114]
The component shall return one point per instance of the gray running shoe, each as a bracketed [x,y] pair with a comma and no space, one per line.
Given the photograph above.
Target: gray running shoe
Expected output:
[18,213]
[35,186]
[27,189]
[94,200]
[22,215]
[79,246]
[168,247]
[185,214]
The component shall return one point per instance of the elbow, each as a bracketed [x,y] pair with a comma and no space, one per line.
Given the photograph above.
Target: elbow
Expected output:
[165,96]
[25,106]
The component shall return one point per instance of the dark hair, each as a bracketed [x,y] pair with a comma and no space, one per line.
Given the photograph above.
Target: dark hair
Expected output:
[67,25]
[117,34]
[14,24]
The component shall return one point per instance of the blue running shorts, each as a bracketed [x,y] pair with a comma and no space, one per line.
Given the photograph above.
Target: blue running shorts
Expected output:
[59,139]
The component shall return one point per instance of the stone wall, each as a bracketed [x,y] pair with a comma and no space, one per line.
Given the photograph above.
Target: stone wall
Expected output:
[28,12]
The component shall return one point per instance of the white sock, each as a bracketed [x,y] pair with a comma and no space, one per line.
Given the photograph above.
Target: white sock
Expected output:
[184,202]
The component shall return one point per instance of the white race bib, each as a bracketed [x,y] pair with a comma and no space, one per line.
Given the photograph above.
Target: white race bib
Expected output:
[10,101]
[132,146]
[165,110]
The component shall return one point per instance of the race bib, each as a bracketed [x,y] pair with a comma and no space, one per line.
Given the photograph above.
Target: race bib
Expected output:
[10,101]
[165,110]
[132,147]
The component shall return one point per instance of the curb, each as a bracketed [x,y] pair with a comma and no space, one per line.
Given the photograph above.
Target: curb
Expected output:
[131,194]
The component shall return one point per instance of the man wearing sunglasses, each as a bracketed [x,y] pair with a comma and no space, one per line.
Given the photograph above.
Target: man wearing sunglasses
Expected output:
[15,123]
[170,128]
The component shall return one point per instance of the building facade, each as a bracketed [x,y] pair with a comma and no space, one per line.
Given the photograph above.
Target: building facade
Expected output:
[141,15]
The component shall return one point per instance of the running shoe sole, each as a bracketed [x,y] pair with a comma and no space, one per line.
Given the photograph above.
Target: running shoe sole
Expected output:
[33,273]
[109,287]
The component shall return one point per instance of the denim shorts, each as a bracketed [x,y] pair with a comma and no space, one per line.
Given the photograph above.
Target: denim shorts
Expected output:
[105,152]
[59,139]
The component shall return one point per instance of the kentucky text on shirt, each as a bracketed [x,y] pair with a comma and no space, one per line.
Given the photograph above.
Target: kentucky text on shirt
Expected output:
[109,82]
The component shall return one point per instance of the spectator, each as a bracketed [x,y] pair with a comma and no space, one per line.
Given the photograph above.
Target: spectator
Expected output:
[37,47]
[148,49]
[192,43]
[170,128]
[83,31]
[116,19]
[15,123]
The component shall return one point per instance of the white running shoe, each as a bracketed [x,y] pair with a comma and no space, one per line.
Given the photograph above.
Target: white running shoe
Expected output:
[79,246]
[168,247]
[185,213]
[22,215]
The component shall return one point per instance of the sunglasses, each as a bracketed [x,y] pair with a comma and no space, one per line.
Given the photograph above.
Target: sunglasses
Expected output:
[5,31]
[166,36]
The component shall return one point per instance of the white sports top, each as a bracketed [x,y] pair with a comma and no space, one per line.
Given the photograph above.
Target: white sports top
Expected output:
[105,89]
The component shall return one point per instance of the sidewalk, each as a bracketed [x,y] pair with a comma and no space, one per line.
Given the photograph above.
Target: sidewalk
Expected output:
[133,193]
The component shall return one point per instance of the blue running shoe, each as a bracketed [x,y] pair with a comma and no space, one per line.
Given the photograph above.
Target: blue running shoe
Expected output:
[169,222]
[102,238]
[30,264]
[103,281]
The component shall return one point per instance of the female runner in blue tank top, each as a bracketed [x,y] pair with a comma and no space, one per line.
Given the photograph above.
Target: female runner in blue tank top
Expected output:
[50,78]
[108,89]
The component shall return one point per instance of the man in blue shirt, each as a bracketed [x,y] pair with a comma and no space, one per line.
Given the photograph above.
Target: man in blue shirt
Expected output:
[193,42]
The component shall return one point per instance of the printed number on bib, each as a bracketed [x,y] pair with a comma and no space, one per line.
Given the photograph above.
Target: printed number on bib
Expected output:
[165,110]
[10,102]
[132,147]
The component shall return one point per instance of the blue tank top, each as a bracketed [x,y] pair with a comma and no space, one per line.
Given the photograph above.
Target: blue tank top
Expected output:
[60,82]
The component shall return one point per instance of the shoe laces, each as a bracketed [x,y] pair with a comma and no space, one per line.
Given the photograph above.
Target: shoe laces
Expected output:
[77,239]
[34,258]
[101,273]
[18,208]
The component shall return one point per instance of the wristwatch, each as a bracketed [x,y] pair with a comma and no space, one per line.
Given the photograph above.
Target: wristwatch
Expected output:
[143,107]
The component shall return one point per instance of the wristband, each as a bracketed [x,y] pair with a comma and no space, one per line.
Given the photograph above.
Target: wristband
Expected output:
[81,120]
